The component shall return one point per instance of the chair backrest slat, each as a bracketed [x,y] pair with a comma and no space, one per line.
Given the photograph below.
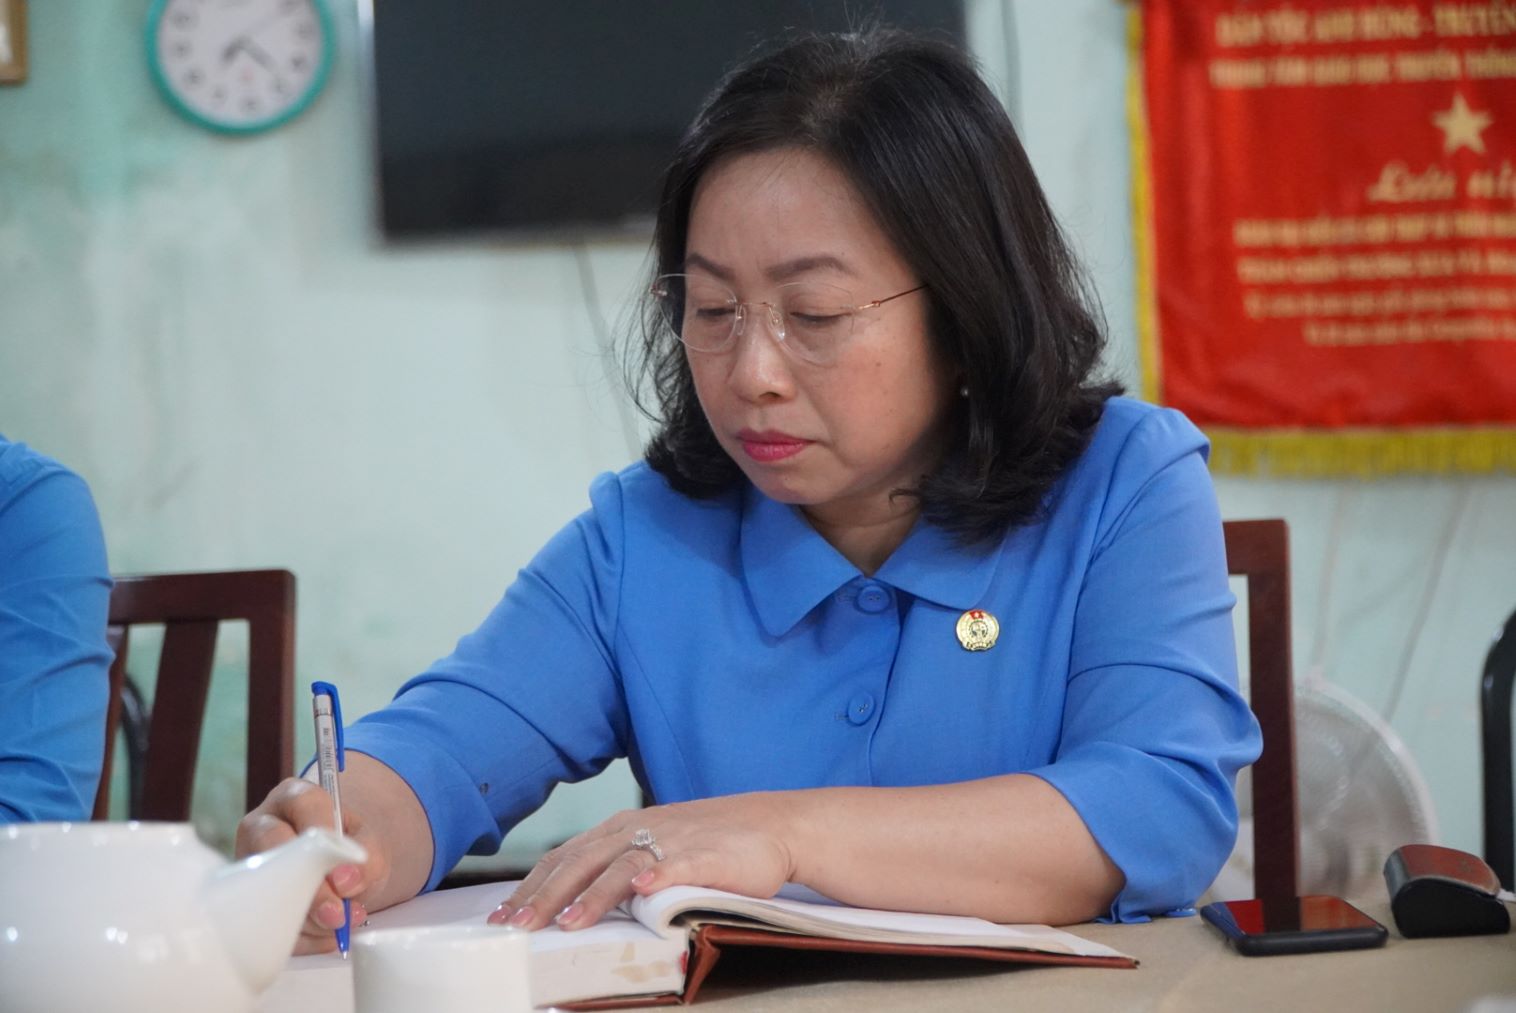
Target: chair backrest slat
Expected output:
[1259,551]
[173,738]
[116,640]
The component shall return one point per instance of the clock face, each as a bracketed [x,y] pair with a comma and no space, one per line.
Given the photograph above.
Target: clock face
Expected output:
[240,65]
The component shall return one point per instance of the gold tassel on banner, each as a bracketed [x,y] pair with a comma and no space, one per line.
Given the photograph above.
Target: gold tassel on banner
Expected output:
[1142,204]
[1362,453]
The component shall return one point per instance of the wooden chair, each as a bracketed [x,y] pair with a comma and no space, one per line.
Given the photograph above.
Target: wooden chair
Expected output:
[1495,751]
[191,606]
[1259,551]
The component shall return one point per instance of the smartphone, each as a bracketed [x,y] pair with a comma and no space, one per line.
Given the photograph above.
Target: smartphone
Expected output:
[1261,928]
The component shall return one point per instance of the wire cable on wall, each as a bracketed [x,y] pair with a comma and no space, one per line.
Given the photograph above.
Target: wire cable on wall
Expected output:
[602,331]
[1440,556]
[1440,553]
[1012,95]
[1322,644]
[1321,647]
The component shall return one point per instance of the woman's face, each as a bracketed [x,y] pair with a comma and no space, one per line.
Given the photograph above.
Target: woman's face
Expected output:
[835,439]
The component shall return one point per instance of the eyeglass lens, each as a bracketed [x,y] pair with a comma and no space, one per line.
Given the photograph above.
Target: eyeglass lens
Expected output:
[811,318]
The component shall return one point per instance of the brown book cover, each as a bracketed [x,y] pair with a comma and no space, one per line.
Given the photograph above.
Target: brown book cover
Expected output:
[707,942]
[659,950]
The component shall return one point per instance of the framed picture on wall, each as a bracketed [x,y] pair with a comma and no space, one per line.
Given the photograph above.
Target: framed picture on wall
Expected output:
[12,41]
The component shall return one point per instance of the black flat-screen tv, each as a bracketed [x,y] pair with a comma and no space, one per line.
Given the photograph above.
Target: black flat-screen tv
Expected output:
[556,117]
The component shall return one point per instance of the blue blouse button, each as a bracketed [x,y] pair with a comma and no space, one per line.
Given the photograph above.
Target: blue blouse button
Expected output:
[860,708]
[873,598]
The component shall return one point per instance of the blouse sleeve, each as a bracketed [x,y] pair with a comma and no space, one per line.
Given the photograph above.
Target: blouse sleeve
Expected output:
[1154,727]
[54,663]
[529,699]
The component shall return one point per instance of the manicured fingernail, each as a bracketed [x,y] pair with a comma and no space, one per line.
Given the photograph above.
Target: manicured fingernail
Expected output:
[643,878]
[330,914]
[346,877]
[501,915]
[570,914]
[522,918]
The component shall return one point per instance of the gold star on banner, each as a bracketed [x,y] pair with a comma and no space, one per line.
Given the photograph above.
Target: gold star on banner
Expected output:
[1461,127]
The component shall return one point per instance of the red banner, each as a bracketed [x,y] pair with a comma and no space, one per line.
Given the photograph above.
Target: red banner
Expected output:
[1326,212]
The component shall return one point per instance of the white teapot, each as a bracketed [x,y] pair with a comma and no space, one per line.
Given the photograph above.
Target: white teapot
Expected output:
[143,918]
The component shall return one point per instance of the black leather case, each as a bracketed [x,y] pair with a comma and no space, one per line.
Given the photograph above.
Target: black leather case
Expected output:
[1437,891]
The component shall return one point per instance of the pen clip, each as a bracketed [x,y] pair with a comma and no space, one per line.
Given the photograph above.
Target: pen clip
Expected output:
[328,690]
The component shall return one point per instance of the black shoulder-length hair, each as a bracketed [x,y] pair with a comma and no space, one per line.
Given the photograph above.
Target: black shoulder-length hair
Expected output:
[935,157]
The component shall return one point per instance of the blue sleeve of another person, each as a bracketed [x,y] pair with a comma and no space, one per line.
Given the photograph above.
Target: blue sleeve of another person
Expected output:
[54,662]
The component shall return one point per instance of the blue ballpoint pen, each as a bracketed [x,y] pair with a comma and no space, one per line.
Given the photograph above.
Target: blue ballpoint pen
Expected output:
[330,759]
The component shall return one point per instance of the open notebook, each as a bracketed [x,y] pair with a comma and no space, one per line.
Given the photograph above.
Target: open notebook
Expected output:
[658,949]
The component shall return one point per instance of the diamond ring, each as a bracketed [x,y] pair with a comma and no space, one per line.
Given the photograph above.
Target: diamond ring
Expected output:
[642,840]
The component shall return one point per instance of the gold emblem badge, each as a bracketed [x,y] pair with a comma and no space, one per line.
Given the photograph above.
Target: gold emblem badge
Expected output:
[977,630]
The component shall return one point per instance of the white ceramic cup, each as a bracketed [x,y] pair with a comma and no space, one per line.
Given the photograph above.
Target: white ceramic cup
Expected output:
[442,969]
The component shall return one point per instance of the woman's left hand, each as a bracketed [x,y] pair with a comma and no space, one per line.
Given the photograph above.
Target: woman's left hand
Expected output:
[738,843]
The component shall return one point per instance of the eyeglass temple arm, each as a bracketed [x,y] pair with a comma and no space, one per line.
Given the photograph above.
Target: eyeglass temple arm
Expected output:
[881,302]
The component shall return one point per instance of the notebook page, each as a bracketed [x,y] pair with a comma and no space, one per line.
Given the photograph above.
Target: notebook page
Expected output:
[823,917]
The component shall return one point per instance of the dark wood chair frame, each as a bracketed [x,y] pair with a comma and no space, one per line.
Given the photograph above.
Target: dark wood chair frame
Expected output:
[163,745]
[1495,752]
[1259,551]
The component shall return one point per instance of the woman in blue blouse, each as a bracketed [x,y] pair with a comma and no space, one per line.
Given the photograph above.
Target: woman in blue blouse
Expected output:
[902,605]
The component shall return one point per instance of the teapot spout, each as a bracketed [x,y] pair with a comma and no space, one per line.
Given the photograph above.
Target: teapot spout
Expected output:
[258,904]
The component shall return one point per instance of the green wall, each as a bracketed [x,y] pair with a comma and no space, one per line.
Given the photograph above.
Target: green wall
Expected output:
[210,331]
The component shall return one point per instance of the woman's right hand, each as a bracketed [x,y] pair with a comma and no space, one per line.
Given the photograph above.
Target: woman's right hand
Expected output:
[294,806]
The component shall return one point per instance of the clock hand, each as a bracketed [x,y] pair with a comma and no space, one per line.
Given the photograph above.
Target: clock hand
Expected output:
[261,24]
[260,54]
[244,38]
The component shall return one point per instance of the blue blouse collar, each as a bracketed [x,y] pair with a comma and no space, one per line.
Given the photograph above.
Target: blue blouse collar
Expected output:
[790,569]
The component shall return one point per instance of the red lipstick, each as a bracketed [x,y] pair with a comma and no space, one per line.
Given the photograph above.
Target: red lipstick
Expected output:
[770,446]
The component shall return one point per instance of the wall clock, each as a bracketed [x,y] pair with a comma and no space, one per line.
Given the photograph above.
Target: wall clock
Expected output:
[240,66]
